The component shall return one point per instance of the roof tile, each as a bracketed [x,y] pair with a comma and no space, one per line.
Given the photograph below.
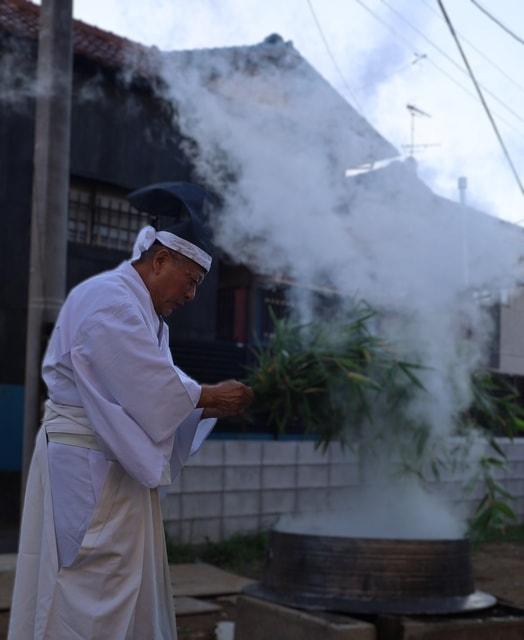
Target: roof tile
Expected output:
[21,18]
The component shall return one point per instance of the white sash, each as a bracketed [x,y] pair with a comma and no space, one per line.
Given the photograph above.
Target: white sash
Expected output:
[66,424]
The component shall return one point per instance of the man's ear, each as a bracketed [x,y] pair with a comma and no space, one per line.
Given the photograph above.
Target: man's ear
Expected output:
[159,259]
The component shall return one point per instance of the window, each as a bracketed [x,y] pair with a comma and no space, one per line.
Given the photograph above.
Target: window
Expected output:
[232,303]
[100,215]
[270,299]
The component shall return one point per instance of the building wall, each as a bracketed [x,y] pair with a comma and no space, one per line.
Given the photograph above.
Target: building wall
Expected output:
[512,334]
[122,136]
[121,132]
[244,486]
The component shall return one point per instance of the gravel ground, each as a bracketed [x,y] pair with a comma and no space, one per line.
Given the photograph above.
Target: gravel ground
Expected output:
[498,566]
[499,570]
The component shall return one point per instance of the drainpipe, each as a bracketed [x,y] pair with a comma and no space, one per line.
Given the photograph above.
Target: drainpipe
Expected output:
[462,184]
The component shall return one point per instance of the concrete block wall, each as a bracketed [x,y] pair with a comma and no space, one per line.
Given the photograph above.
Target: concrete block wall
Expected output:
[238,486]
[234,486]
[511,344]
[511,477]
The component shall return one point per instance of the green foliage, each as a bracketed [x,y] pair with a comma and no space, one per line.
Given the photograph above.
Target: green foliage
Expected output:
[511,533]
[497,411]
[242,553]
[318,375]
[338,380]
[496,406]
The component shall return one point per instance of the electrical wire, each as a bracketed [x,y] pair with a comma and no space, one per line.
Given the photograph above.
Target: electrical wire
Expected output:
[330,53]
[477,49]
[409,46]
[497,22]
[448,57]
[418,57]
[481,96]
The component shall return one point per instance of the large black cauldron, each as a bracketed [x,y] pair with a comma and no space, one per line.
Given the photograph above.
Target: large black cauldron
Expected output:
[359,575]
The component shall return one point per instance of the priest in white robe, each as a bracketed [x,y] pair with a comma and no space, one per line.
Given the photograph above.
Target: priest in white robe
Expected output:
[120,422]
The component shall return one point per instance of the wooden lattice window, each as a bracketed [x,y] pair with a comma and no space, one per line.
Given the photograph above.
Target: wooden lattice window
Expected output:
[100,215]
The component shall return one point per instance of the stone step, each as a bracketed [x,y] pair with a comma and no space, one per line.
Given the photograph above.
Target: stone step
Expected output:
[198,579]
[260,620]
[201,579]
[185,606]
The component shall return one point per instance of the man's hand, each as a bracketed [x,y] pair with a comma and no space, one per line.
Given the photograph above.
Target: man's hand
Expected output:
[228,398]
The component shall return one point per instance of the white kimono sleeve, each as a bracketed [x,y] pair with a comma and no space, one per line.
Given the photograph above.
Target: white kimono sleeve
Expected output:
[132,395]
[189,437]
[193,431]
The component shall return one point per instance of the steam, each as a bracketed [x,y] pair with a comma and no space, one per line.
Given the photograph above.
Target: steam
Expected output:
[20,86]
[275,141]
[405,511]
[17,74]
[386,64]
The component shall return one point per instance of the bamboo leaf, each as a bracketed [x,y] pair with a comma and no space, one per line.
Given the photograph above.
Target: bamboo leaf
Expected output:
[519,423]
[504,509]
[495,445]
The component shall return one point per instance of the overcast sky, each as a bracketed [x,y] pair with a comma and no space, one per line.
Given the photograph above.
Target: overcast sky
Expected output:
[380,70]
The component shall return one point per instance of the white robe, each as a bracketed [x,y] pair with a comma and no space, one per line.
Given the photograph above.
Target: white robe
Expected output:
[92,560]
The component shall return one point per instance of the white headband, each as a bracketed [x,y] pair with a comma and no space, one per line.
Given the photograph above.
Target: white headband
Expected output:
[148,235]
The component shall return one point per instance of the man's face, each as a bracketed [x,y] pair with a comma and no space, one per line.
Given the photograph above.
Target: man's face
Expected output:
[174,281]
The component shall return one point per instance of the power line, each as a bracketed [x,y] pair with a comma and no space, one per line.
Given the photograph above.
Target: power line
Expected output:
[418,57]
[330,53]
[477,49]
[497,22]
[408,45]
[448,57]
[471,94]
[481,96]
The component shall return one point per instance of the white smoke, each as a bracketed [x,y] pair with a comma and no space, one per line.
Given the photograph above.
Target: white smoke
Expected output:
[17,75]
[276,142]
[403,511]
[383,63]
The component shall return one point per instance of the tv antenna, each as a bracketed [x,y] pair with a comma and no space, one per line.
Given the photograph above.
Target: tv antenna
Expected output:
[414,113]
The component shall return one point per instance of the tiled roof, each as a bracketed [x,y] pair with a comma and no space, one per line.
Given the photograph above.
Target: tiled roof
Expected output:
[21,17]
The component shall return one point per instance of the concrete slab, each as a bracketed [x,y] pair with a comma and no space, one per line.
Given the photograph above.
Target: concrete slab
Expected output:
[200,579]
[502,622]
[260,620]
[225,630]
[185,606]
[7,578]
[197,579]
[482,628]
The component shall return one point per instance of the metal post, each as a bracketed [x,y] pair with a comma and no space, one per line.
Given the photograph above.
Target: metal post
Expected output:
[412,142]
[462,184]
[47,271]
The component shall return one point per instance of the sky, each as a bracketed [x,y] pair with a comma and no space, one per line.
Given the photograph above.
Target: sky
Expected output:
[383,55]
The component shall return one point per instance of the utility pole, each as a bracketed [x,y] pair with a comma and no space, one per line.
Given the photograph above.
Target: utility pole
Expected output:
[47,270]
